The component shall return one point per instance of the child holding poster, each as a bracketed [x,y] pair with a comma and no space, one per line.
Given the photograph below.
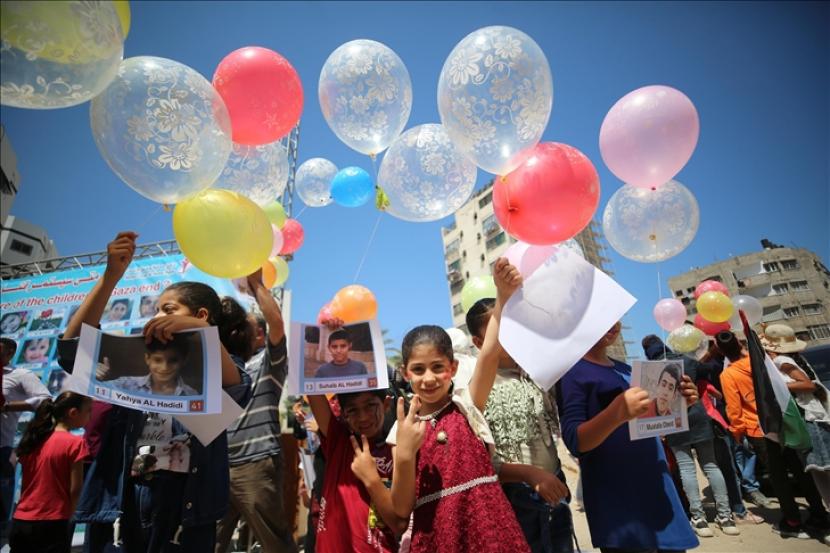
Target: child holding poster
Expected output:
[595,401]
[125,500]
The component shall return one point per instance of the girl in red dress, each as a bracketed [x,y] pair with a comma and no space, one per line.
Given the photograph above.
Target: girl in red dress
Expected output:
[443,475]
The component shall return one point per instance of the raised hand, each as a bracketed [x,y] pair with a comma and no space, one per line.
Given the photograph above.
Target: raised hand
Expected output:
[411,431]
[120,253]
[363,464]
[633,403]
[507,278]
[163,328]
[255,280]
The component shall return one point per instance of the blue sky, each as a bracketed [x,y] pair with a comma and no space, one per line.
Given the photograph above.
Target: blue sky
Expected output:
[757,73]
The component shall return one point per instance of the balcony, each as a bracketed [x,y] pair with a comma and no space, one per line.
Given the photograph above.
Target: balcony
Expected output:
[455,276]
[452,255]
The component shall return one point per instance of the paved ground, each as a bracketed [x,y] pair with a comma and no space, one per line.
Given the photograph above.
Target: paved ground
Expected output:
[755,538]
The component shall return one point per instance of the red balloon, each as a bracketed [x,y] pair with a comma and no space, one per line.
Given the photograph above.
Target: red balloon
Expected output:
[263,94]
[292,236]
[550,197]
[708,327]
[710,286]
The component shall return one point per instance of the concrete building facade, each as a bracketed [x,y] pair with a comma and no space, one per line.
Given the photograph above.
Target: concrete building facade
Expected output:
[792,284]
[476,240]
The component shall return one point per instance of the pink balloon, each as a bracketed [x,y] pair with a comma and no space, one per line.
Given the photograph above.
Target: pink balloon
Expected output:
[709,328]
[710,286]
[275,249]
[325,314]
[550,197]
[292,236]
[648,135]
[527,257]
[670,314]
[262,92]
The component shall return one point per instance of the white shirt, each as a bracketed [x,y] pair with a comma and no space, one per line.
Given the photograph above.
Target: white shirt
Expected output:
[19,385]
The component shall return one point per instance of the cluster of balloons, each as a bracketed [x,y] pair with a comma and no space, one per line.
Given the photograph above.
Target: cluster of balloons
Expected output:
[646,138]
[716,312]
[351,304]
[59,54]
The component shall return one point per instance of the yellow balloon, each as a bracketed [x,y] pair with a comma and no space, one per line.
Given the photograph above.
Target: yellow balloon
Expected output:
[122,7]
[715,307]
[222,233]
[65,32]
[281,267]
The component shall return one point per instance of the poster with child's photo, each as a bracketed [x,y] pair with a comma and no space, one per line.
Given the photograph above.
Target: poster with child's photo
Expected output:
[182,375]
[117,313]
[323,361]
[667,411]
[35,353]
[13,324]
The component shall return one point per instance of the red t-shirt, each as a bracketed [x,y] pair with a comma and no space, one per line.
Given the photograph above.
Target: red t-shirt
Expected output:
[345,514]
[46,478]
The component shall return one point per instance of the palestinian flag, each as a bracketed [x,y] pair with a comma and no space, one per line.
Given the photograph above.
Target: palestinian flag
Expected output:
[777,411]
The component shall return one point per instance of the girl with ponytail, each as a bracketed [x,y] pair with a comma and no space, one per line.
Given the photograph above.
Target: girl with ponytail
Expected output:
[52,460]
[152,486]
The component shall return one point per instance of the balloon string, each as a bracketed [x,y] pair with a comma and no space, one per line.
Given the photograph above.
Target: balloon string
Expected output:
[660,297]
[297,217]
[147,220]
[368,245]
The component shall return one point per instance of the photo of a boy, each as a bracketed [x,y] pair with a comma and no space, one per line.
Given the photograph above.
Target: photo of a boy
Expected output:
[665,394]
[339,346]
[164,365]
[118,310]
[12,323]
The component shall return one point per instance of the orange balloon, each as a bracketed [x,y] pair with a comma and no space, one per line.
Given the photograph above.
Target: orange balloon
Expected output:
[269,274]
[354,303]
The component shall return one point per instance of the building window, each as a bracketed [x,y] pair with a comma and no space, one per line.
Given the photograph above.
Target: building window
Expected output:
[478,238]
[780,288]
[790,312]
[790,265]
[799,285]
[475,217]
[813,309]
[497,240]
[454,266]
[454,245]
[690,290]
[678,293]
[803,335]
[456,287]
[819,332]
[466,274]
[21,247]
[771,267]
[457,309]
[485,200]
[490,226]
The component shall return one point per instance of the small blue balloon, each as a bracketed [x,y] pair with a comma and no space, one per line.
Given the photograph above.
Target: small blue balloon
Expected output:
[352,187]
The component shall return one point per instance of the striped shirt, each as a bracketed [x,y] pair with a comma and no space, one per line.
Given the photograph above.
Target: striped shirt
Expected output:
[256,433]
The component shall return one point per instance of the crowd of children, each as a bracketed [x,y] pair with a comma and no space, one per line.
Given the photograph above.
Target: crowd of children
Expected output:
[467,466]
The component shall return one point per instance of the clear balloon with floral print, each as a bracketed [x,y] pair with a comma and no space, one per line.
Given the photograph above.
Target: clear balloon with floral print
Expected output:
[162,128]
[651,225]
[313,181]
[366,95]
[425,176]
[495,95]
[259,173]
[57,54]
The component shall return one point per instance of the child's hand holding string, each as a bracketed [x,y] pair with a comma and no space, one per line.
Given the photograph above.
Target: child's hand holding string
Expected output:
[119,254]
[411,430]
[507,279]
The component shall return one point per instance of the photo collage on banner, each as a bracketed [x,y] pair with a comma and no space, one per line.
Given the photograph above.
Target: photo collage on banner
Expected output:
[35,310]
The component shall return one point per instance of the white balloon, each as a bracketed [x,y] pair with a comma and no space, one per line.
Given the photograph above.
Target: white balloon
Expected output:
[365,95]
[495,95]
[751,307]
[648,225]
[57,54]
[259,173]
[425,176]
[313,181]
